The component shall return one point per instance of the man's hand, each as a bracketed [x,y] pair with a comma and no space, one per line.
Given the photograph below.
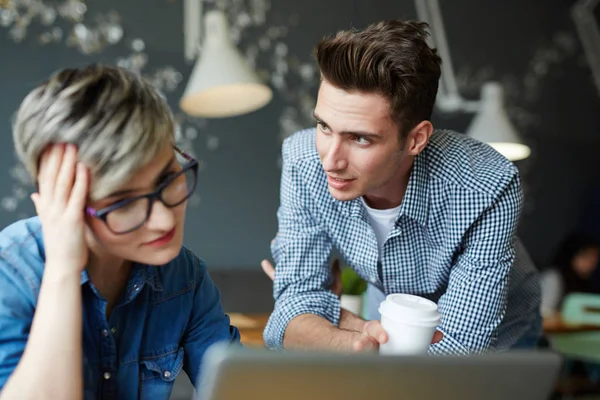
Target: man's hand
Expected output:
[336,285]
[374,335]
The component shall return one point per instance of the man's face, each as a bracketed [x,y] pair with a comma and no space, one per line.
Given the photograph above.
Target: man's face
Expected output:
[358,143]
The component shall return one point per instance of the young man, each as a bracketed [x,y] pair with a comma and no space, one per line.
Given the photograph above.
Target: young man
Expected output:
[413,210]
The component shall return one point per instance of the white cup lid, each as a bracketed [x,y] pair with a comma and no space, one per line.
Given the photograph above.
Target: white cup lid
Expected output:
[408,307]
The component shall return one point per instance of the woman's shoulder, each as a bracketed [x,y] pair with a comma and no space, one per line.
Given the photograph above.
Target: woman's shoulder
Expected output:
[186,268]
[22,255]
[22,262]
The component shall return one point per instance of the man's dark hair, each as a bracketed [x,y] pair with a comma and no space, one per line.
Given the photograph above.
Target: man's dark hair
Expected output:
[391,58]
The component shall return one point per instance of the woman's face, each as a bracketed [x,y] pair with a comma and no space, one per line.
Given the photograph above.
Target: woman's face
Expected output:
[159,240]
[585,262]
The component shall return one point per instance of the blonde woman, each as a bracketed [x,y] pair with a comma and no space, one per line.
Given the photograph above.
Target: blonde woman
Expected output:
[98,297]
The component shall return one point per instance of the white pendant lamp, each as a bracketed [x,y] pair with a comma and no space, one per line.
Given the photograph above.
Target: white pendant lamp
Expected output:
[222,84]
[492,125]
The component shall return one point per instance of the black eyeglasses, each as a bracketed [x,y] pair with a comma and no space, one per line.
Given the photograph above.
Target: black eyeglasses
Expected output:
[131,214]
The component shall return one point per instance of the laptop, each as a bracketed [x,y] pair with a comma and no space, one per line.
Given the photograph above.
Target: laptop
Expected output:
[238,373]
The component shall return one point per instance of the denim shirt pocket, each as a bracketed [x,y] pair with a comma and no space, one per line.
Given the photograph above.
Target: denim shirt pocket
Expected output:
[158,374]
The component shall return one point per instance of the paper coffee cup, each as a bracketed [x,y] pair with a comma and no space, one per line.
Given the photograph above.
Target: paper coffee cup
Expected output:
[410,323]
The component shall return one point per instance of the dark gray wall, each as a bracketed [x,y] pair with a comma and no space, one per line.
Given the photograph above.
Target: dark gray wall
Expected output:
[232,227]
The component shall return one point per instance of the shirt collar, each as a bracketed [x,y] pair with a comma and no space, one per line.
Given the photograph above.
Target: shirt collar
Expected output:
[415,203]
[140,274]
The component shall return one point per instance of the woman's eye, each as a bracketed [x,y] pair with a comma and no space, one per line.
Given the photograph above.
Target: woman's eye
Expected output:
[166,176]
[118,201]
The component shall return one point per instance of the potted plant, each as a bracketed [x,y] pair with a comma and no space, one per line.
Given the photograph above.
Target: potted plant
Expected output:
[353,287]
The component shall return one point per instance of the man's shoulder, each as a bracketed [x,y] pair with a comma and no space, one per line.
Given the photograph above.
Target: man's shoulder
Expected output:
[301,147]
[473,165]
[302,165]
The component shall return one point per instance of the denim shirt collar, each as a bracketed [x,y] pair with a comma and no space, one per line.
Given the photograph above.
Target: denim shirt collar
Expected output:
[140,274]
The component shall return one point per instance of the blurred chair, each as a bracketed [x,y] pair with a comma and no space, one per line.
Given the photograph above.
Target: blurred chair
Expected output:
[580,309]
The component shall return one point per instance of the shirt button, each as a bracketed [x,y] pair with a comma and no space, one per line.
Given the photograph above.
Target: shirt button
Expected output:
[167,374]
[136,287]
[113,330]
[105,332]
[107,375]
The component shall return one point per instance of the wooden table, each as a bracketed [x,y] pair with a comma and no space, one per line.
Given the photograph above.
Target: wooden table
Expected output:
[556,325]
[251,327]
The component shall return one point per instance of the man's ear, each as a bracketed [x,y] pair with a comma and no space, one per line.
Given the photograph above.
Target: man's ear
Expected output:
[418,137]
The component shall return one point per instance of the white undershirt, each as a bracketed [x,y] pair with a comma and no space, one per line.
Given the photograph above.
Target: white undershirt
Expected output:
[382,222]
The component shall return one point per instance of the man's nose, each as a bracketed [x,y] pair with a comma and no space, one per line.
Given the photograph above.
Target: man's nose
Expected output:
[335,159]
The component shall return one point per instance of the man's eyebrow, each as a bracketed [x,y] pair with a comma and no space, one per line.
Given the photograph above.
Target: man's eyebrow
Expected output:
[129,191]
[319,119]
[373,135]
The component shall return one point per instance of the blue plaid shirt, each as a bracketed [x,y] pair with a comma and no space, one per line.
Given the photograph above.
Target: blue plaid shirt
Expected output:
[453,242]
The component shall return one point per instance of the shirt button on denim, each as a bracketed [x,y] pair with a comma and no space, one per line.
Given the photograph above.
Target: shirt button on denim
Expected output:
[107,375]
[167,374]
[104,332]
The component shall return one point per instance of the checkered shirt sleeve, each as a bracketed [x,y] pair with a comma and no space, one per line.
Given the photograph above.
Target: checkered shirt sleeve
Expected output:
[301,252]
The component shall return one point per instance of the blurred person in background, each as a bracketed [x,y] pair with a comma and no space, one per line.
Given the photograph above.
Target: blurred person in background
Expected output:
[571,271]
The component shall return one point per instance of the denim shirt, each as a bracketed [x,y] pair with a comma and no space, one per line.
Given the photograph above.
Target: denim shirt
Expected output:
[167,317]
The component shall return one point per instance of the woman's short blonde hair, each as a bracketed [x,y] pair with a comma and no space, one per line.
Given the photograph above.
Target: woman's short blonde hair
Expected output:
[117,120]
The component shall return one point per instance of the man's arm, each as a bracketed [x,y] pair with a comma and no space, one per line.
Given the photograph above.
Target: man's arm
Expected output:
[348,320]
[306,312]
[372,334]
[475,300]
[308,331]
[351,321]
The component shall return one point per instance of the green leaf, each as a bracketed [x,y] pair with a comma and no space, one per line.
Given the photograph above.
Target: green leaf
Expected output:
[352,283]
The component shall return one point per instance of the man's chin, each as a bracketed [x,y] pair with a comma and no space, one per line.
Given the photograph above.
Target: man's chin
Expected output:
[343,195]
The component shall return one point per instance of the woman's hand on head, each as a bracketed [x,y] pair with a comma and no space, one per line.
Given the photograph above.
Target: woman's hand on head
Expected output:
[60,203]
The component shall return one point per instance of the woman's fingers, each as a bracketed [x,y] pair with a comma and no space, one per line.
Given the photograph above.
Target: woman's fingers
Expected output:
[62,180]
[66,175]
[76,203]
[50,163]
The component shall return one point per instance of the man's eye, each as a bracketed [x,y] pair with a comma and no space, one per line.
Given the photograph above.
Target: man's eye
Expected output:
[362,140]
[323,127]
